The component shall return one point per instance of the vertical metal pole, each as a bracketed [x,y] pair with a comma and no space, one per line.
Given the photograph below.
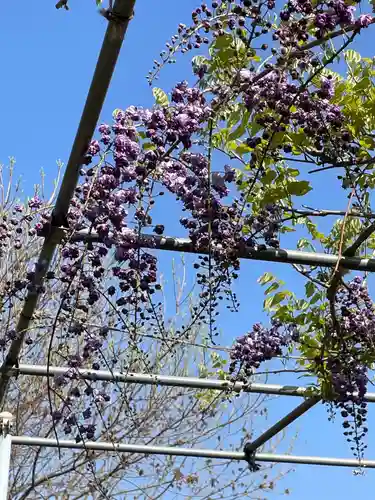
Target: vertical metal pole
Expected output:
[6,419]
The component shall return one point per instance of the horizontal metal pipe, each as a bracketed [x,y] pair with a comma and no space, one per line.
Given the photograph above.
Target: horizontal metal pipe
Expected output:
[169,380]
[281,424]
[187,452]
[268,255]
[127,448]
[153,379]
[306,460]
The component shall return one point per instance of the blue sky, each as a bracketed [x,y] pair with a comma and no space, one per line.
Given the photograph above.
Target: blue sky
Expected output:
[48,57]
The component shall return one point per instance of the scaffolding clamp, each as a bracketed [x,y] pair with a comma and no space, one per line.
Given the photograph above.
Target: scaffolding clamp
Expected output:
[250,457]
[112,16]
[6,423]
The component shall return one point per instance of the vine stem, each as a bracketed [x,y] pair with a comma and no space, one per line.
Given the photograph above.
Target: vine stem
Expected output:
[343,229]
[209,157]
[336,277]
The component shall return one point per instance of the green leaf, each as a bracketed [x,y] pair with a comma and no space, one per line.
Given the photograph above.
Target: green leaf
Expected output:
[220,140]
[234,117]
[268,177]
[294,172]
[286,229]
[161,97]
[312,229]
[267,303]
[197,61]
[300,319]
[276,299]
[242,149]
[277,139]
[352,57]
[273,194]
[315,299]
[238,132]
[223,42]
[298,188]
[255,127]
[364,83]
[271,288]
[368,143]
[266,278]
[310,289]
[302,304]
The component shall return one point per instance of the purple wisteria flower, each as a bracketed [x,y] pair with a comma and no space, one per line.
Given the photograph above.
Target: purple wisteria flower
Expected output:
[35,202]
[364,20]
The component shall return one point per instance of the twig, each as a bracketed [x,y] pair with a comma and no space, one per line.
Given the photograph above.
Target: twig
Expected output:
[343,230]
[305,273]
[311,212]
[349,252]
[343,164]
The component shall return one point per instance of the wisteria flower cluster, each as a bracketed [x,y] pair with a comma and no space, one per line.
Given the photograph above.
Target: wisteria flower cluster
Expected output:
[279,105]
[13,227]
[298,20]
[259,345]
[112,197]
[17,225]
[300,16]
[212,223]
[351,348]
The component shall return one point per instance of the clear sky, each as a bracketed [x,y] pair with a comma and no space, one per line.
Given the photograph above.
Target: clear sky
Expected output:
[47,60]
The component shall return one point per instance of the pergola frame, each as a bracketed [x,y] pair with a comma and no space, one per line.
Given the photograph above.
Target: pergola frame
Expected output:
[117,26]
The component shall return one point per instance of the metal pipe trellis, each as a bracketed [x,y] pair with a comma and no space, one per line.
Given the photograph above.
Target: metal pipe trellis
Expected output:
[189,452]
[6,440]
[169,380]
[192,382]
[122,13]
[281,255]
